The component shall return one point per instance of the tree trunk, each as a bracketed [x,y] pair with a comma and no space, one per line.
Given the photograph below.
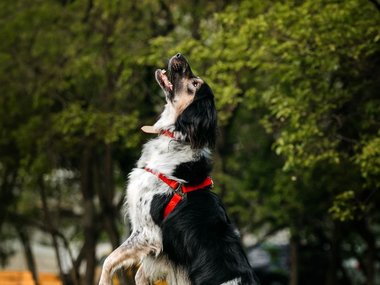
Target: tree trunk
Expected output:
[293,260]
[370,253]
[90,231]
[7,197]
[74,271]
[332,269]
[50,227]
[90,236]
[24,238]
[107,194]
[370,262]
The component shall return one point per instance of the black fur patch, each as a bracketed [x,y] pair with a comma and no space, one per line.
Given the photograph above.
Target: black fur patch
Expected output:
[198,121]
[157,207]
[195,172]
[199,236]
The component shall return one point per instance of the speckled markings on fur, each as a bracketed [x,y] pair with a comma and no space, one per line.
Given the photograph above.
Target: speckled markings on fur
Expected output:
[145,243]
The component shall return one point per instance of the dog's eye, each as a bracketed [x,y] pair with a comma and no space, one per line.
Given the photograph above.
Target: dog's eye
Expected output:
[195,84]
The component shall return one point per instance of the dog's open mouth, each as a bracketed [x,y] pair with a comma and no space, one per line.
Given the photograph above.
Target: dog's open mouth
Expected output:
[163,80]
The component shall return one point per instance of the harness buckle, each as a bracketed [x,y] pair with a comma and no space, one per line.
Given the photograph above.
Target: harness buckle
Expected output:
[179,190]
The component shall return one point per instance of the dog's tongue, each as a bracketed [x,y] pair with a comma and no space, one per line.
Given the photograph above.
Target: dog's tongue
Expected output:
[149,130]
[166,81]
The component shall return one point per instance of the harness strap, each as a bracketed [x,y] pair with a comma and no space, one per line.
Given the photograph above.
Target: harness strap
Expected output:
[170,182]
[180,190]
[172,204]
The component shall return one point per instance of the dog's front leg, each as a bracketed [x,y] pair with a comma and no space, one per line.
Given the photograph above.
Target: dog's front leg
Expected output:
[132,251]
[141,278]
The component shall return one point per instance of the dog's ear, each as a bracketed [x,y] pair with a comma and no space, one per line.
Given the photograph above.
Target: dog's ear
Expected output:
[198,122]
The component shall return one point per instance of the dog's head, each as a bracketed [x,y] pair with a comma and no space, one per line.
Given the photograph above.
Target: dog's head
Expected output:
[191,101]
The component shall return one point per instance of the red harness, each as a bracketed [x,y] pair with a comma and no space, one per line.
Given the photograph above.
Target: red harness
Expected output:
[180,190]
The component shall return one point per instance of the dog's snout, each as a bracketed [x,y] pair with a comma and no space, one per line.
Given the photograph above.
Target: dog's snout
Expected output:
[178,64]
[179,57]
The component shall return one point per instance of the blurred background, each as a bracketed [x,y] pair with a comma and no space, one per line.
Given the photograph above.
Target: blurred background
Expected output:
[297,86]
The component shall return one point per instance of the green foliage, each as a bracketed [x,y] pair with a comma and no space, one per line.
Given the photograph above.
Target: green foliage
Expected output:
[108,127]
[343,208]
[307,66]
[369,161]
[296,85]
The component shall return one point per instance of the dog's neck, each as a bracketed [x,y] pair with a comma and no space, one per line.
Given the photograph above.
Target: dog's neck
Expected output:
[152,130]
[167,119]
[165,124]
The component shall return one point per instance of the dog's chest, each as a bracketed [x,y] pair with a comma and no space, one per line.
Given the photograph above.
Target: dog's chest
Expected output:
[162,155]
[142,188]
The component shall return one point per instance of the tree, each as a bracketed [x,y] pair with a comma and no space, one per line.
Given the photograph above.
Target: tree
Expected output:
[296,85]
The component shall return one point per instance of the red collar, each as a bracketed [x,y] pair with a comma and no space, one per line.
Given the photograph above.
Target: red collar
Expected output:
[167,133]
[180,190]
[152,130]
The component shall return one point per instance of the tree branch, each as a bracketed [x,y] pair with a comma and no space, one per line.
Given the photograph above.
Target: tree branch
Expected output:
[270,233]
[26,221]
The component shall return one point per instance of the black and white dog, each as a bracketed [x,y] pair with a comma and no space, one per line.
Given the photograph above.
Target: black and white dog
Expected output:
[180,229]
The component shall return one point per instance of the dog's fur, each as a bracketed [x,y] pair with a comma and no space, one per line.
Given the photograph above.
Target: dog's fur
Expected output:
[196,243]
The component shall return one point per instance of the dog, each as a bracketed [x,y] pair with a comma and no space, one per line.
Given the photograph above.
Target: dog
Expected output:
[180,229]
